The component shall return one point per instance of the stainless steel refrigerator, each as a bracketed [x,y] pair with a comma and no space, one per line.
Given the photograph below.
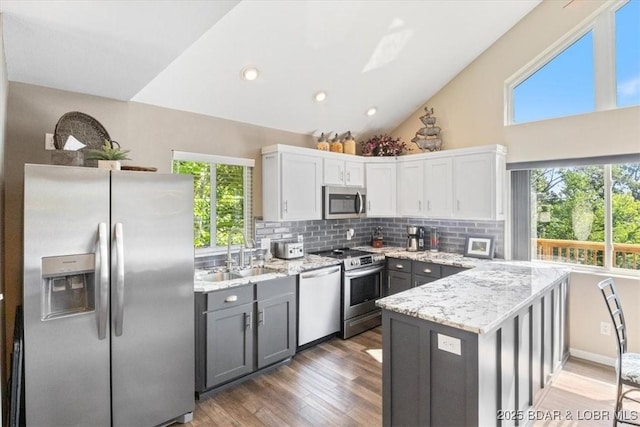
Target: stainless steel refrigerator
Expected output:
[108,297]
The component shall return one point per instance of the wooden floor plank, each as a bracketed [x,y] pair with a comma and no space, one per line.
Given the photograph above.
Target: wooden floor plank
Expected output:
[337,383]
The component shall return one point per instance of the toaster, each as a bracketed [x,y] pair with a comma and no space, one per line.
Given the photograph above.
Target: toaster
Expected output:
[290,250]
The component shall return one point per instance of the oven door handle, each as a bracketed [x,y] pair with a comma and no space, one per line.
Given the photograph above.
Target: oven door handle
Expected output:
[363,272]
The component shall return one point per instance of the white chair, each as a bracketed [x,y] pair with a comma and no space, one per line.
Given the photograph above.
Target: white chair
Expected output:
[627,364]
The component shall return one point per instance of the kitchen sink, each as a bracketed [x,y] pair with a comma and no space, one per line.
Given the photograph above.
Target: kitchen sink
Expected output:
[255,271]
[218,276]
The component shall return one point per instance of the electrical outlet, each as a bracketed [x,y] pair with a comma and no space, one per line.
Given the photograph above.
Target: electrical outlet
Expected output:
[48,142]
[605,328]
[449,344]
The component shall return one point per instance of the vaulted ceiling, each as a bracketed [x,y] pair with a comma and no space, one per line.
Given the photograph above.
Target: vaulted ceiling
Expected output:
[188,55]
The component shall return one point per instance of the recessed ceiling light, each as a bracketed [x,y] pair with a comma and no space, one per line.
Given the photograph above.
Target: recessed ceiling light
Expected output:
[371,111]
[249,73]
[320,96]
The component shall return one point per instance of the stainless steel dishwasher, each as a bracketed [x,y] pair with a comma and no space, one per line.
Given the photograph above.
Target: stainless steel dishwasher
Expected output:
[319,304]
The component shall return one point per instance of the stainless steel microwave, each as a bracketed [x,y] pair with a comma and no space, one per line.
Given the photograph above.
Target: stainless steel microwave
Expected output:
[344,202]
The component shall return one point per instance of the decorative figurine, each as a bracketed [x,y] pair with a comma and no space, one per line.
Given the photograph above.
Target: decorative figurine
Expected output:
[428,137]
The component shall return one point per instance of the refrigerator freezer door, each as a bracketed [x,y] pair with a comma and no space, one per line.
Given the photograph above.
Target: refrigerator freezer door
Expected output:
[66,364]
[153,349]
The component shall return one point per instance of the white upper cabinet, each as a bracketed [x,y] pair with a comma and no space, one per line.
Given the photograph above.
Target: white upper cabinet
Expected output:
[381,189]
[438,197]
[411,183]
[478,181]
[341,172]
[466,183]
[291,186]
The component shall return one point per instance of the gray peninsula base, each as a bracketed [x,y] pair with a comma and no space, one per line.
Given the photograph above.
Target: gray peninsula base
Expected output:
[440,375]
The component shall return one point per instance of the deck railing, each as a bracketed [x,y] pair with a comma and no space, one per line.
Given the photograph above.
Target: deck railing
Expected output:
[625,255]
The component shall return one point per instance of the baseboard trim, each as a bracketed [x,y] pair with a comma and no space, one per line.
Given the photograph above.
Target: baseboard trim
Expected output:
[593,357]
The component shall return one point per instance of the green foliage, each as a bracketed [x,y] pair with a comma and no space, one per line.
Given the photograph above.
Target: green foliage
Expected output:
[574,198]
[228,205]
[107,152]
[201,199]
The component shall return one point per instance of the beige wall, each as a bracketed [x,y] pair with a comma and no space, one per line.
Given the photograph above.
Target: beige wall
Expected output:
[587,310]
[149,132]
[470,108]
[470,111]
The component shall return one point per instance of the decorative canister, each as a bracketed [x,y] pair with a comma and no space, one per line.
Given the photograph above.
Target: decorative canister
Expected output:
[349,144]
[336,145]
[322,143]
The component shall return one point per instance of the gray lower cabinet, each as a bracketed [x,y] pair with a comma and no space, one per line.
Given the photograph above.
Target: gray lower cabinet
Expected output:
[397,281]
[243,329]
[229,344]
[403,274]
[276,332]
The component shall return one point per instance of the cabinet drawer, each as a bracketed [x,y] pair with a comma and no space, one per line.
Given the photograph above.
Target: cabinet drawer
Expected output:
[272,288]
[427,269]
[229,297]
[399,264]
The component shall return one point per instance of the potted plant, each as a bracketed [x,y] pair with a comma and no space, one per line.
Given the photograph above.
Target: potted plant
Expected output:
[108,156]
[382,145]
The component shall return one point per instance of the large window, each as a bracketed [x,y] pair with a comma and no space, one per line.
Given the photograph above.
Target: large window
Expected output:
[222,198]
[595,68]
[588,215]
[627,22]
[561,87]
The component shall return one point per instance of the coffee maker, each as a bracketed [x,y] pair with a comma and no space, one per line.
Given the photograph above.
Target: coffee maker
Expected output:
[422,239]
[412,238]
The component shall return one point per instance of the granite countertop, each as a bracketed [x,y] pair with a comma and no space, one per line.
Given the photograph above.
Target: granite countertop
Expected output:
[279,267]
[480,299]
[443,258]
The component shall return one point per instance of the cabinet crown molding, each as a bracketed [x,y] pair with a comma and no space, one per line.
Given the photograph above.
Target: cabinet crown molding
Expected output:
[282,148]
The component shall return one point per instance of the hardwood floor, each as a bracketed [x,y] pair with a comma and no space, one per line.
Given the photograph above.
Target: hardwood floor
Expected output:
[336,383]
[339,383]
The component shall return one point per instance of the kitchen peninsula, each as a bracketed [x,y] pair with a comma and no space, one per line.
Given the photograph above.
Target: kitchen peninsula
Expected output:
[474,347]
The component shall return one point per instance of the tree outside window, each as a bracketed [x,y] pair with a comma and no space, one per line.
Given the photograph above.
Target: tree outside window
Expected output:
[217,213]
[570,215]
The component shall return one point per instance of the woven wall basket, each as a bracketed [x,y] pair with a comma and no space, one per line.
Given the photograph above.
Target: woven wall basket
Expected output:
[83,127]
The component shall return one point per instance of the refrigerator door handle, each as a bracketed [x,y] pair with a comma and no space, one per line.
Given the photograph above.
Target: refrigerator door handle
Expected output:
[119,318]
[103,289]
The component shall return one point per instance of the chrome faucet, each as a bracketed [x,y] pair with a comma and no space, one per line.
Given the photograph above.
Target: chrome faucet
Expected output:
[229,260]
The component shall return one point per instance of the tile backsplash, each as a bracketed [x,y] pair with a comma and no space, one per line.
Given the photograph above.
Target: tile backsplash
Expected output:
[332,233]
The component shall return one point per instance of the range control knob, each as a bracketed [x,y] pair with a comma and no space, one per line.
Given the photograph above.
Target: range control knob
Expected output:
[355,262]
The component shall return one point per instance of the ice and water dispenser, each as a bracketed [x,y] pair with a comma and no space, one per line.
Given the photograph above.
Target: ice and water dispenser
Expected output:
[68,285]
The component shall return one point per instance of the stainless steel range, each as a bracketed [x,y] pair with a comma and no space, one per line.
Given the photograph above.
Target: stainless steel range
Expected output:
[362,278]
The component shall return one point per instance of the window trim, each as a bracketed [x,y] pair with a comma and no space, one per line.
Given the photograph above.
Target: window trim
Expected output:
[601,23]
[213,159]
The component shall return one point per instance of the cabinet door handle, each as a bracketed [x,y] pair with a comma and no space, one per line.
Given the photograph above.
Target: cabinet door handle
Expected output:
[428,205]
[399,266]
[427,270]
[231,298]
[247,321]
[369,205]
[419,205]
[341,176]
[458,204]
[286,206]
[388,285]
[348,176]
[261,317]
